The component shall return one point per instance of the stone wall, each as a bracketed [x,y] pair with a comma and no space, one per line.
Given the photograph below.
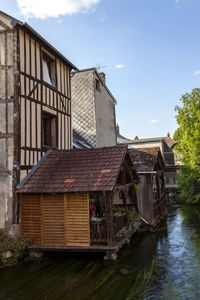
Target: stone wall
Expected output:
[6,123]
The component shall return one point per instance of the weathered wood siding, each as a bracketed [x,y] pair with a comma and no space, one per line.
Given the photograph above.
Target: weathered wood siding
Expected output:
[145,197]
[56,220]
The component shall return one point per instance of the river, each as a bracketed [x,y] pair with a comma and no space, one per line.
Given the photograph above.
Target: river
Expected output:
[160,265]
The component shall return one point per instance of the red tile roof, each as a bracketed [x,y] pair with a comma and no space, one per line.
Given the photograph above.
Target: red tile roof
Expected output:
[77,170]
[144,159]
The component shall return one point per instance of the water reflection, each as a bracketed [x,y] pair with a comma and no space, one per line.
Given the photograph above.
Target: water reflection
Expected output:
[158,265]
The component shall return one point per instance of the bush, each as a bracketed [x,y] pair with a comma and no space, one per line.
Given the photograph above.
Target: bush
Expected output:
[18,247]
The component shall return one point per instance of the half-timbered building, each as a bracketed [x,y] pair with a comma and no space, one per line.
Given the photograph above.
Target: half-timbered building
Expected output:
[35,106]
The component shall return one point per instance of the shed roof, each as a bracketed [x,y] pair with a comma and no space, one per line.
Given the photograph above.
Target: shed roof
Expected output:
[145,159]
[77,170]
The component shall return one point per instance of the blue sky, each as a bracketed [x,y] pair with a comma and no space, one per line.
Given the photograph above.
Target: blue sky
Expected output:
[150,50]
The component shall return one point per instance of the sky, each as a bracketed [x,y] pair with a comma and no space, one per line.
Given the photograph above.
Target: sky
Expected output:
[149,50]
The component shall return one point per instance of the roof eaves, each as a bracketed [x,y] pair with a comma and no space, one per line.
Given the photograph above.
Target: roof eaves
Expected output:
[103,83]
[22,183]
[122,160]
[15,22]
[146,172]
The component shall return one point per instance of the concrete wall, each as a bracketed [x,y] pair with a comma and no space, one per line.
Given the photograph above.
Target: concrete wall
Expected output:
[105,117]
[6,121]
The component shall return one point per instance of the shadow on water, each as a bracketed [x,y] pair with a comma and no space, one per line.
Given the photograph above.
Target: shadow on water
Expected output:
[159,265]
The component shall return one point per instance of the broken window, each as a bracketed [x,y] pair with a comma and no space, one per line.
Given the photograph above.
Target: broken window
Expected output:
[49,130]
[48,69]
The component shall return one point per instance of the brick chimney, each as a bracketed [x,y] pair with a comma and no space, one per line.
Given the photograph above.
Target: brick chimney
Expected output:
[103,76]
[136,138]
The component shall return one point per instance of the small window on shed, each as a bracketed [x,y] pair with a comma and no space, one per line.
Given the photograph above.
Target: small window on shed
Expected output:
[48,69]
[98,86]
[49,130]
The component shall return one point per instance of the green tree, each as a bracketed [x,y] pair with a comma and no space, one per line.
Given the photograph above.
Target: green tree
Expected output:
[188,137]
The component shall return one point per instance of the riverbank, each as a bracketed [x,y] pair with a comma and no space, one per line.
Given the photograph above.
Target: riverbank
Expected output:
[159,265]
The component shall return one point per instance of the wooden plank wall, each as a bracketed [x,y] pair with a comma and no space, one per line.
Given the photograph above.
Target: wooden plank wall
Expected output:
[56,220]
[31,217]
[53,233]
[37,96]
[77,224]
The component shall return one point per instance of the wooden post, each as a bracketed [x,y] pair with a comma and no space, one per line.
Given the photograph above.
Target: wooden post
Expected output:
[125,193]
[110,231]
[42,219]
[159,196]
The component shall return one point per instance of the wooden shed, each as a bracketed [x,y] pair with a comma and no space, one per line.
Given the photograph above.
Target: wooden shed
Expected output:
[150,167]
[66,202]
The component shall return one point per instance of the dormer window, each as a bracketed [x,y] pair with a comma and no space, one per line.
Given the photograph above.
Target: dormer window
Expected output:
[48,69]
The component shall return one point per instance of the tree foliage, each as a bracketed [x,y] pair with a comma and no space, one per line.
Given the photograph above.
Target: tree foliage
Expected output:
[188,137]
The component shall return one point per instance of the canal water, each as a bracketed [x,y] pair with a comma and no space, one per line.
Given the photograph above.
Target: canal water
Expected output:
[160,265]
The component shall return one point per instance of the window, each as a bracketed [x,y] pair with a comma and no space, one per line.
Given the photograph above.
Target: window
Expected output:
[49,130]
[48,69]
[98,87]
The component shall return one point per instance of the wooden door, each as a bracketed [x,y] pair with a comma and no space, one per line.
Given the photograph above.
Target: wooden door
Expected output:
[53,229]
[77,220]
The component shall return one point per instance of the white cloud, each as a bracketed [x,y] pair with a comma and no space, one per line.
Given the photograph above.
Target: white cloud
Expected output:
[197,73]
[154,121]
[119,66]
[51,8]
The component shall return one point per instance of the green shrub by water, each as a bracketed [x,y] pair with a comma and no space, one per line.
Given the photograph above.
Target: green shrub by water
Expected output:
[18,247]
[189,184]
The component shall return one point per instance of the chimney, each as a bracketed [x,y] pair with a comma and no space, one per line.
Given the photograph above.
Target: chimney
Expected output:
[136,138]
[103,76]
[117,129]
[168,135]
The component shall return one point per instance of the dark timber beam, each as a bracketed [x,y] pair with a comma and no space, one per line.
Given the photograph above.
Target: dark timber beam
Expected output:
[110,230]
